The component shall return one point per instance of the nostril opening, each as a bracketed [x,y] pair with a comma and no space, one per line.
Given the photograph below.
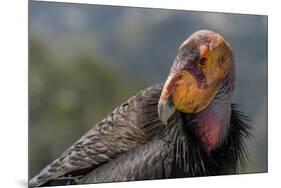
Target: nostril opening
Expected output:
[180,77]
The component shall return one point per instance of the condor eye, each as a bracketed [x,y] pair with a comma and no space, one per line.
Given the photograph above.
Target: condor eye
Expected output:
[202,61]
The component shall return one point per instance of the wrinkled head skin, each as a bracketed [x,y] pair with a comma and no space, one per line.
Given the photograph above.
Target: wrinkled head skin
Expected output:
[202,68]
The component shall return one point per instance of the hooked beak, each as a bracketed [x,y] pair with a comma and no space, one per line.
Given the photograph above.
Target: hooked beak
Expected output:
[165,110]
[184,92]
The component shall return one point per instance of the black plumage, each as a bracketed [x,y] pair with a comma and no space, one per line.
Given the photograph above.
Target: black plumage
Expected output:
[160,152]
[188,127]
[176,152]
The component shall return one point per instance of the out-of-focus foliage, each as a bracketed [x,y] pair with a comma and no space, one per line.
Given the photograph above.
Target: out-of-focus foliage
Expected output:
[87,59]
[66,98]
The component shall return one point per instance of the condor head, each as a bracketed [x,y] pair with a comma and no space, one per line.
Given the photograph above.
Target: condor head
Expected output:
[202,64]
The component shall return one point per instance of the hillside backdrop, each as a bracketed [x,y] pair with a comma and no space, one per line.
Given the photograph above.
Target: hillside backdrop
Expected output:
[84,60]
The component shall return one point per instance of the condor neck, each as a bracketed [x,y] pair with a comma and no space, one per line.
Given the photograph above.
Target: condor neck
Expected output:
[213,122]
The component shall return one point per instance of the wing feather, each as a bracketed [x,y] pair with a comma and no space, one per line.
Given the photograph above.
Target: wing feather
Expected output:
[117,133]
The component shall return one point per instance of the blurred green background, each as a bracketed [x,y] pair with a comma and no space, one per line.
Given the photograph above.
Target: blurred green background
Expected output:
[84,60]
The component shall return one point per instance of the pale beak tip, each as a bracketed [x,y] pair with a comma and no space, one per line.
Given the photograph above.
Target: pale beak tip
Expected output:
[165,110]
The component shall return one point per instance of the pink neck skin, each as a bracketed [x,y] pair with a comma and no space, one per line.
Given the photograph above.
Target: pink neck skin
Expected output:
[209,128]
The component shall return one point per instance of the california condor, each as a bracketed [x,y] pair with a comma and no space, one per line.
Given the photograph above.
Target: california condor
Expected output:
[186,127]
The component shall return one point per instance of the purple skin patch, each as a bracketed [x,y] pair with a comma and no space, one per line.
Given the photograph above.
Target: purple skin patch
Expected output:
[197,73]
[209,128]
[213,122]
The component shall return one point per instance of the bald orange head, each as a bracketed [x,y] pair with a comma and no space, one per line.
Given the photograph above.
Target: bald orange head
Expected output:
[202,64]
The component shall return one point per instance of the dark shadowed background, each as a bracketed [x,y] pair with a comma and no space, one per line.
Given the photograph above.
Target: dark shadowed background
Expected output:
[84,60]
